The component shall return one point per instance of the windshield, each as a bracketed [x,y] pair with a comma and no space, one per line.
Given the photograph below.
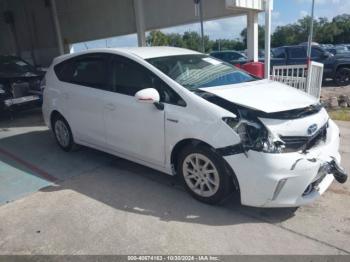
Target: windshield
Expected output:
[11,64]
[196,71]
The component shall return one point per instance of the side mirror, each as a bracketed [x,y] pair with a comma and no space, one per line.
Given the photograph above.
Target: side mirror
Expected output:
[149,96]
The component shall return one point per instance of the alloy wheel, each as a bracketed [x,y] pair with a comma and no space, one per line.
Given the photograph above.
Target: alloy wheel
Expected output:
[62,133]
[201,175]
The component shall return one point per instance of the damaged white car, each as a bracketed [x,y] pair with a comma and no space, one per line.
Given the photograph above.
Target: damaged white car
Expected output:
[184,113]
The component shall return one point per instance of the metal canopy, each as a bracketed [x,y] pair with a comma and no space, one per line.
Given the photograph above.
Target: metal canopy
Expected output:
[96,19]
[43,28]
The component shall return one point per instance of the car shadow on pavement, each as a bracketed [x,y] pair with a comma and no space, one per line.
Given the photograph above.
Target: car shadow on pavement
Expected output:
[125,185]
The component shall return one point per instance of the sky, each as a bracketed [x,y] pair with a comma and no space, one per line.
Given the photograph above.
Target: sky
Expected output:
[284,12]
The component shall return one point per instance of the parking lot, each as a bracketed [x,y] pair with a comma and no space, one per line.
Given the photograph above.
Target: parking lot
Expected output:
[88,202]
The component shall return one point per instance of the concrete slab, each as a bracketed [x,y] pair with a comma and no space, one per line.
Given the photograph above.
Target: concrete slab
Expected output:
[122,211]
[16,183]
[106,205]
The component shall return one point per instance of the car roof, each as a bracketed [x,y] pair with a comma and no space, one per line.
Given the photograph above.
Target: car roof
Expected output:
[157,51]
[297,46]
[142,52]
[225,51]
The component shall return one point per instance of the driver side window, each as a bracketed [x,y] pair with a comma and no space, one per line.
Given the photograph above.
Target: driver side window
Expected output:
[129,77]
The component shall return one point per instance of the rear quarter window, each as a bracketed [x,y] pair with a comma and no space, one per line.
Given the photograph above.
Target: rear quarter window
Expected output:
[64,70]
[86,70]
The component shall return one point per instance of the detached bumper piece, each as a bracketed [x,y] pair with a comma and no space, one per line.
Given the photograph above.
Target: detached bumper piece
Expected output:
[327,168]
[338,172]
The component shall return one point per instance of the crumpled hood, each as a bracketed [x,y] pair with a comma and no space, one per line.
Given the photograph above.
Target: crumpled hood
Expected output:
[264,95]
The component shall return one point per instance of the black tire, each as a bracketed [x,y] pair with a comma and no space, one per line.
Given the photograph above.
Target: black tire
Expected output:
[342,76]
[70,145]
[225,185]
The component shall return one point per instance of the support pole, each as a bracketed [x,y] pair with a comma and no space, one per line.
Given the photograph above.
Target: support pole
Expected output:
[140,22]
[57,27]
[252,36]
[309,44]
[202,27]
[268,7]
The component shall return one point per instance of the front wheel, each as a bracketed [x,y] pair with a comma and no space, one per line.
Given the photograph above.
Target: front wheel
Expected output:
[204,174]
[342,76]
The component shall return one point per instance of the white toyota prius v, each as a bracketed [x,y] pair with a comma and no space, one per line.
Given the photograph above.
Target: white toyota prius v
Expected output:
[220,129]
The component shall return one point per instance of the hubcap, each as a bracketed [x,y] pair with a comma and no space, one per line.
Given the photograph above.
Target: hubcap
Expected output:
[201,175]
[62,133]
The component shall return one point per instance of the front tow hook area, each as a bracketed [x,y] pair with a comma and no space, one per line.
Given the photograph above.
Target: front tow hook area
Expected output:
[338,172]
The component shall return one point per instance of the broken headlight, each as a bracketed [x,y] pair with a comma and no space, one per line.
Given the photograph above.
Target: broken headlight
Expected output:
[254,135]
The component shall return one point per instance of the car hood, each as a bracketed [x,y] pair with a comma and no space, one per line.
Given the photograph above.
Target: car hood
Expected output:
[342,56]
[263,95]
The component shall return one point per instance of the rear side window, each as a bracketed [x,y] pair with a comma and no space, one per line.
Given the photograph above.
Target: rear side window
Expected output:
[316,53]
[227,56]
[279,53]
[297,52]
[233,56]
[86,70]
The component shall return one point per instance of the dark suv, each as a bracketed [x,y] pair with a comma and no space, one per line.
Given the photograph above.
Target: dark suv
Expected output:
[336,67]
[230,56]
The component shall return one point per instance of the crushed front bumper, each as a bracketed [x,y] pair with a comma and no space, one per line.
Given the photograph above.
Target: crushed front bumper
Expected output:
[288,179]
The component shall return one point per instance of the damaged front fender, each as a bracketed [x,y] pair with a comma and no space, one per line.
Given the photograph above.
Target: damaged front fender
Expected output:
[231,150]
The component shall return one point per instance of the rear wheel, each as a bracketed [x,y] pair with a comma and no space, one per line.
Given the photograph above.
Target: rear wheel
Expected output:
[204,174]
[63,133]
[342,76]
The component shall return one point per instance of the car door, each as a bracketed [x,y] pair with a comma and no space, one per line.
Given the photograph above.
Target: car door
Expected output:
[278,57]
[85,98]
[133,128]
[296,55]
[318,55]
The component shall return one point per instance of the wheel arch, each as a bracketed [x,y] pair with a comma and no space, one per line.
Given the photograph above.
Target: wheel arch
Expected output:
[53,115]
[344,65]
[196,142]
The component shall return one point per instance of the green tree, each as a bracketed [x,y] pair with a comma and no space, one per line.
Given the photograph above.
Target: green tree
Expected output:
[261,36]
[331,32]
[342,24]
[228,44]
[157,38]
[192,40]
[325,31]
[175,40]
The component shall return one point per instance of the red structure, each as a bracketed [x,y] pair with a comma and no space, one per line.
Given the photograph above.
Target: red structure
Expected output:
[254,68]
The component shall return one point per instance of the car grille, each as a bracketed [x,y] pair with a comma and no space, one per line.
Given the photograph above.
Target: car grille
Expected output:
[304,143]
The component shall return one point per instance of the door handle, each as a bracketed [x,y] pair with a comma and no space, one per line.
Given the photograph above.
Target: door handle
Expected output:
[110,107]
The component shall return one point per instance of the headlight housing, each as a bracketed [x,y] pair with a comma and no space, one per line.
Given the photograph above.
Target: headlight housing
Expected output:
[254,135]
